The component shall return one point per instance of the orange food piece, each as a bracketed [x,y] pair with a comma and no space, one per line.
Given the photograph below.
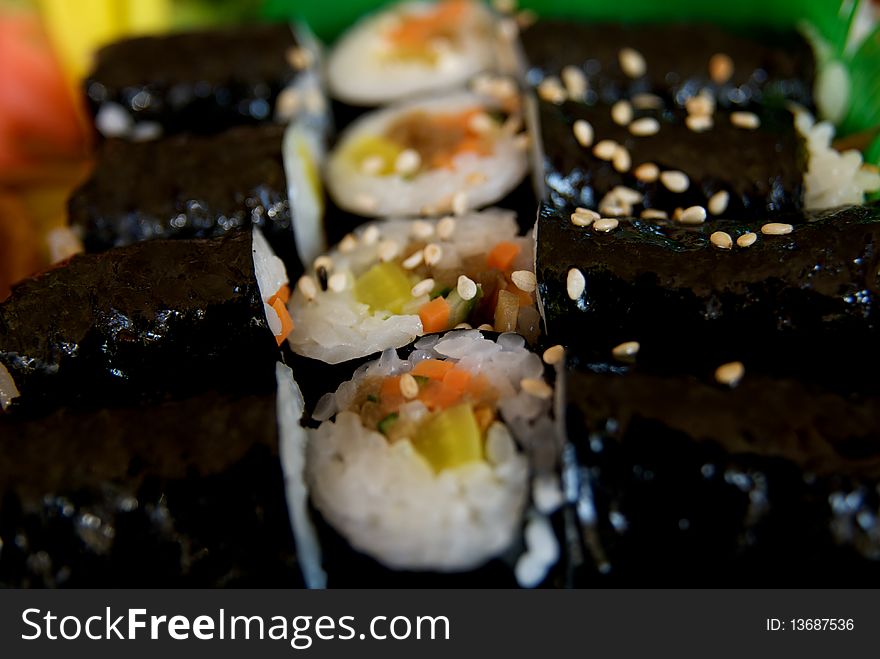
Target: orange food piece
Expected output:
[457,380]
[282,294]
[390,397]
[286,321]
[502,255]
[437,396]
[414,32]
[435,315]
[479,387]
[525,299]
[435,369]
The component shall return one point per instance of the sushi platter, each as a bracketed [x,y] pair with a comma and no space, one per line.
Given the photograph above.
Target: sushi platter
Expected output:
[470,295]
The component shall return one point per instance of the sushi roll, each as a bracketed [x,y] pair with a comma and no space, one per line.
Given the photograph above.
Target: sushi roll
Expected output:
[190,186]
[446,154]
[187,493]
[391,281]
[154,318]
[411,48]
[205,81]
[421,461]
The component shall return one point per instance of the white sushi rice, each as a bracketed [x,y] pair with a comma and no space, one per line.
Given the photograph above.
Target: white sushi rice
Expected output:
[270,274]
[303,154]
[389,503]
[474,180]
[362,69]
[335,327]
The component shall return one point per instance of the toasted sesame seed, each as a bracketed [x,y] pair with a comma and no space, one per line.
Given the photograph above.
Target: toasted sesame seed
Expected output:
[481,123]
[408,386]
[575,82]
[508,29]
[605,149]
[644,127]
[584,217]
[348,243]
[413,260]
[647,172]
[535,387]
[721,240]
[626,350]
[776,229]
[338,282]
[432,254]
[307,287]
[645,101]
[423,287]
[720,68]
[299,58]
[551,90]
[365,202]
[485,327]
[459,202]
[575,283]
[675,181]
[699,123]
[622,113]
[463,326]
[621,159]
[632,63]
[446,227]
[583,132]
[730,374]
[388,250]
[605,225]
[466,287]
[747,239]
[700,105]
[288,102]
[693,215]
[372,165]
[676,214]
[614,209]
[370,235]
[408,162]
[524,280]
[422,229]
[554,354]
[323,261]
[654,214]
[747,120]
[718,202]
[627,195]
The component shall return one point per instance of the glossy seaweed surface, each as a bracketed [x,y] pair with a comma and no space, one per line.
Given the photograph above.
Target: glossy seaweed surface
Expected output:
[155,317]
[187,187]
[199,82]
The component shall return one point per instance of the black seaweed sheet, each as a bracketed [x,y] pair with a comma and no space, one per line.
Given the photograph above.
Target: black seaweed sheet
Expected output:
[761,170]
[200,82]
[186,493]
[159,317]
[188,187]
[688,483]
[768,67]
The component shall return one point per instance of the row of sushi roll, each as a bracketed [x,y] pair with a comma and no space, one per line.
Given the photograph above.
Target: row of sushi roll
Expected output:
[447,396]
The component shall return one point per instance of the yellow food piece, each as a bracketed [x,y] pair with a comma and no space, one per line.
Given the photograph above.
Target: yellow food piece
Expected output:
[450,438]
[384,287]
[371,147]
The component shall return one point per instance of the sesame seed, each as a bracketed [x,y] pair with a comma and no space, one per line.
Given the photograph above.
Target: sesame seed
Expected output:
[485,327]
[307,287]
[508,29]
[408,162]
[323,261]
[605,149]
[613,209]
[645,101]
[372,165]
[622,113]
[644,127]
[554,354]
[626,350]
[432,254]
[575,283]
[747,120]
[446,227]
[718,202]
[647,172]
[776,229]
[524,280]
[654,214]
[337,282]
[676,214]
[365,202]
[575,82]
[720,68]
[288,103]
[693,215]
[481,123]
[408,386]
[703,105]
[621,159]
[521,142]
[466,287]
[632,63]
[513,124]
[299,58]
[537,388]
[699,123]
[730,374]
[388,250]
[721,240]
[605,225]
[463,326]
[627,195]
[583,217]
[413,260]
[422,229]
[423,287]
[370,235]
[583,132]
[460,202]
[348,243]
[747,239]
[675,181]
[551,90]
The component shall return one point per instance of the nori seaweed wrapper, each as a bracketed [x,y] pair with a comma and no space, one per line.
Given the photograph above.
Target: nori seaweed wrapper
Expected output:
[202,81]
[187,493]
[155,317]
[188,187]
[806,297]
[685,482]
[768,67]
[761,170]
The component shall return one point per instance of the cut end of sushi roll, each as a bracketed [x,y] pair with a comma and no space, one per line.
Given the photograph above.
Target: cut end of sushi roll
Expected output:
[272,280]
[303,154]
[393,280]
[8,389]
[411,48]
[428,157]
[416,462]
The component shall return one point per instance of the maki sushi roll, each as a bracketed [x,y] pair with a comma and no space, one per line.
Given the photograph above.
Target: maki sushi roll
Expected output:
[446,154]
[191,186]
[411,48]
[422,462]
[158,317]
[205,81]
[391,281]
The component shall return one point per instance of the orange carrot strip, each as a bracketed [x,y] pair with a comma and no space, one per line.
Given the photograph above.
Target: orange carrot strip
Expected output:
[437,396]
[435,315]
[457,380]
[286,320]
[435,369]
[502,255]
[282,294]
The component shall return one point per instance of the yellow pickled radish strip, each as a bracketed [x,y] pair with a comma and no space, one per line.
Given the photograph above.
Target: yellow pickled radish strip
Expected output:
[375,154]
[450,438]
[310,167]
[384,287]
